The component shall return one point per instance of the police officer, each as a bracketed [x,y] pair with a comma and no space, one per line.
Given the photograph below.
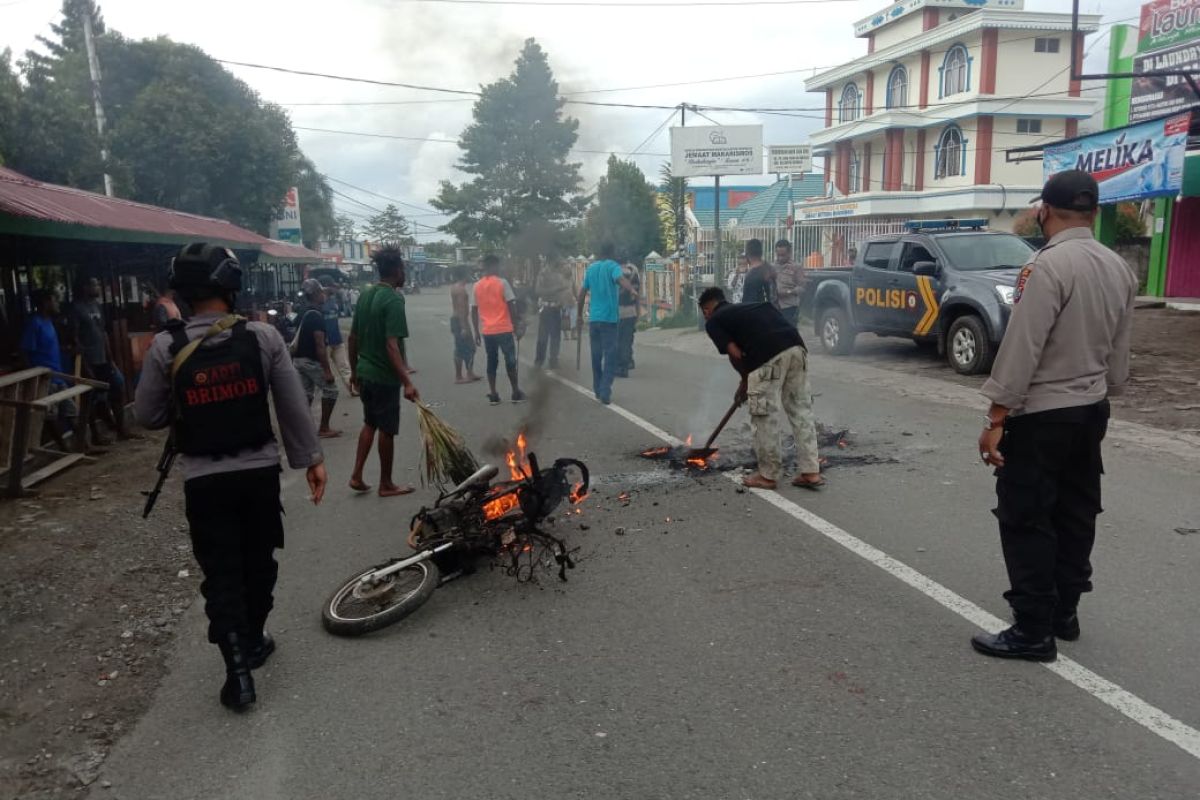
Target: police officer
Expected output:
[209,380]
[1066,351]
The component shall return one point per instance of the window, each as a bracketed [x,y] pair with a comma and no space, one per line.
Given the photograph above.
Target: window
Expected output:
[855,172]
[956,74]
[950,155]
[1029,126]
[914,253]
[1045,45]
[850,106]
[879,254]
[897,88]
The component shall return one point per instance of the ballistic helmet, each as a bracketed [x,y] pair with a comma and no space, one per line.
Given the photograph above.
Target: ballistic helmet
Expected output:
[203,265]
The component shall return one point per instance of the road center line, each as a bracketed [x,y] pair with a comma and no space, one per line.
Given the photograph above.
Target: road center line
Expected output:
[1148,716]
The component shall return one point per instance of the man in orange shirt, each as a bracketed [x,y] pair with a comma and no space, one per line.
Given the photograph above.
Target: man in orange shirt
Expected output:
[493,312]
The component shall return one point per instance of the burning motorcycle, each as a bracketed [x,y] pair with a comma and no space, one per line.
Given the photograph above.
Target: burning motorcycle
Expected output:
[476,519]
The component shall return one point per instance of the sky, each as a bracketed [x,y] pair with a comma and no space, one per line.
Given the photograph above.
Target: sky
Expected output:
[592,49]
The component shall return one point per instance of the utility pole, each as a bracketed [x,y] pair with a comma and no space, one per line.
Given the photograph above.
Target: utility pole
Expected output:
[94,69]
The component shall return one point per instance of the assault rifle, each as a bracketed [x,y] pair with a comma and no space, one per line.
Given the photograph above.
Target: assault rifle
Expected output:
[165,462]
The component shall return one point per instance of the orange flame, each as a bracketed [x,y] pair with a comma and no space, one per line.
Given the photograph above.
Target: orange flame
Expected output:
[689,440]
[500,506]
[577,494]
[518,468]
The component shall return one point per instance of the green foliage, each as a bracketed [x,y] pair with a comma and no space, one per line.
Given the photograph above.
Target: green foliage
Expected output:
[440,250]
[517,149]
[1130,224]
[684,317]
[673,208]
[389,226]
[182,131]
[1026,224]
[625,213]
[10,97]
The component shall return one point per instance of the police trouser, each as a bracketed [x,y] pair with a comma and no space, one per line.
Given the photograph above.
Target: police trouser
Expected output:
[236,524]
[1049,497]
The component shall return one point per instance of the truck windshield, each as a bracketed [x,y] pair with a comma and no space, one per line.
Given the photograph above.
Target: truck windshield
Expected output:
[985,251]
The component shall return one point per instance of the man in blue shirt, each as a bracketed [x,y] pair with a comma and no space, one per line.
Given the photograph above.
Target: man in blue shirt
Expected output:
[601,282]
[40,348]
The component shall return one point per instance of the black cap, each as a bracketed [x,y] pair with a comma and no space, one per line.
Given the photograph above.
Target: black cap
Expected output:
[1072,190]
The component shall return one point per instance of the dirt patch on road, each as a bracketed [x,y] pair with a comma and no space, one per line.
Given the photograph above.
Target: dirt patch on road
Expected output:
[90,594]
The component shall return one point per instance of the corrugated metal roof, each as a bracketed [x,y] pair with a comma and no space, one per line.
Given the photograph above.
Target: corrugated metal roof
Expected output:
[770,206]
[21,196]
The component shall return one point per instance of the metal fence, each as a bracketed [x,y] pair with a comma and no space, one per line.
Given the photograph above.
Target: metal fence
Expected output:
[816,244]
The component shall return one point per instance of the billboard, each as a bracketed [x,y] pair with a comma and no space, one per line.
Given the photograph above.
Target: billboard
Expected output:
[717,150]
[286,225]
[1168,22]
[1161,95]
[1132,163]
[789,159]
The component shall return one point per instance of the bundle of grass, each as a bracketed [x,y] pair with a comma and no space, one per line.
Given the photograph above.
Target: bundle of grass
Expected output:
[445,459]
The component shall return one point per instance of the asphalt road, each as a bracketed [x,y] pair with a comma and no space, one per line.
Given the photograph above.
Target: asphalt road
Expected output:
[721,648]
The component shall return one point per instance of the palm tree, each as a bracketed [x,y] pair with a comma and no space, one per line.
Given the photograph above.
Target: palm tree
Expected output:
[673,212]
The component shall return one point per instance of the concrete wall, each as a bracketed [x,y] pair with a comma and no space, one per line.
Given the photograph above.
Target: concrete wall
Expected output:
[902,30]
[1136,253]
[1020,70]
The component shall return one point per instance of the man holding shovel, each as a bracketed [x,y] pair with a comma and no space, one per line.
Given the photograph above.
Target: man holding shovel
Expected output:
[769,354]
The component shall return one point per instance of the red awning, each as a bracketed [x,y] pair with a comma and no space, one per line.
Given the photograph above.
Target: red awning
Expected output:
[46,202]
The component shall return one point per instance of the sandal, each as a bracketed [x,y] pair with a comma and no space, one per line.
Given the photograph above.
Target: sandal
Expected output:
[812,486]
[757,481]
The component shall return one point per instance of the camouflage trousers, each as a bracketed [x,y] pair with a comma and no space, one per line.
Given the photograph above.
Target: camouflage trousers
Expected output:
[775,390]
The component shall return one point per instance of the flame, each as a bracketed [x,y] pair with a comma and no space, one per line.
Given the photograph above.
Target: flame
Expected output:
[518,468]
[689,440]
[503,504]
[698,463]
[655,452]
[624,497]
[577,494]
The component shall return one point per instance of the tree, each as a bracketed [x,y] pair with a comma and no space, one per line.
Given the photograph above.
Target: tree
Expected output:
[346,227]
[673,204]
[183,132]
[517,149]
[317,222]
[10,98]
[625,213]
[1130,224]
[388,226]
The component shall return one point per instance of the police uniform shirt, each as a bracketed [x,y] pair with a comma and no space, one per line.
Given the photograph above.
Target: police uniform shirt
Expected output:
[152,402]
[1067,343]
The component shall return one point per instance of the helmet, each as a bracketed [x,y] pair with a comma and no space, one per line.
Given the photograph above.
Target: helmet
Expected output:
[311,288]
[206,265]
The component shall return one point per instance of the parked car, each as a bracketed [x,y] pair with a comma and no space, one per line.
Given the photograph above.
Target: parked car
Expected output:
[944,283]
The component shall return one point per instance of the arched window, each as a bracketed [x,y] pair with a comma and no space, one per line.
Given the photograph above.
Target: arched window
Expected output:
[897,88]
[850,106]
[950,153]
[956,71]
[855,173]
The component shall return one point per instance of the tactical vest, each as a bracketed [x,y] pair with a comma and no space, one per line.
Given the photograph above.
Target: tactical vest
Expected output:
[220,395]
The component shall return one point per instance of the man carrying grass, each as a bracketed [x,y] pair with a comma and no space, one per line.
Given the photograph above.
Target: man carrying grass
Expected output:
[378,370]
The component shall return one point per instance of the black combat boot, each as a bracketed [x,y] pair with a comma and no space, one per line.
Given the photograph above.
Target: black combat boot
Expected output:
[1066,617]
[1016,643]
[261,649]
[238,691]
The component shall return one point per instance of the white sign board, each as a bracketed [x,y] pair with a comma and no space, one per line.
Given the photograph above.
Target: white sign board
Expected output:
[717,150]
[789,159]
[286,225]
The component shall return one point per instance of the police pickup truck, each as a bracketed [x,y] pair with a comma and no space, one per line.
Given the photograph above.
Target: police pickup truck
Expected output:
[944,283]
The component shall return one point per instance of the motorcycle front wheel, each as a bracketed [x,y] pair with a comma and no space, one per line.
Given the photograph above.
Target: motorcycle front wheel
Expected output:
[357,607]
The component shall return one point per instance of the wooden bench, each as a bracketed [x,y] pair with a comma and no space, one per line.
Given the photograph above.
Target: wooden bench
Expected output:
[25,399]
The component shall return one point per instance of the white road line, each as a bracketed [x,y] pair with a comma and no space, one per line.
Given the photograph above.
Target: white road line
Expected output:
[1150,717]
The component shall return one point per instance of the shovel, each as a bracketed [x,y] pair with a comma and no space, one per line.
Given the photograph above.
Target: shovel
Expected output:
[707,451]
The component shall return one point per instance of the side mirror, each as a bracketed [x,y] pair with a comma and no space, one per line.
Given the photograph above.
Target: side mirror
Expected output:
[927,268]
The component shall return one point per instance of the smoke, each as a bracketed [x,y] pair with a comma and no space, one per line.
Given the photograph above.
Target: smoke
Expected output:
[532,423]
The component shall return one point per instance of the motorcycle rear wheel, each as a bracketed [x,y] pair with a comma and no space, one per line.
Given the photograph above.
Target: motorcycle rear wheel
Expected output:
[357,608]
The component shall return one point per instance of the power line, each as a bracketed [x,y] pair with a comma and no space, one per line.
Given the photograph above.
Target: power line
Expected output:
[377,194]
[626,3]
[309,74]
[448,141]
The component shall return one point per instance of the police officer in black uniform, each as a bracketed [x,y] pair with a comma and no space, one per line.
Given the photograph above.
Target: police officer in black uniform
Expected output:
[209,380]
[1066,351]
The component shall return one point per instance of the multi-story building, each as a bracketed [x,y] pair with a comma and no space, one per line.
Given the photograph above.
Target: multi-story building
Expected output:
[919,126]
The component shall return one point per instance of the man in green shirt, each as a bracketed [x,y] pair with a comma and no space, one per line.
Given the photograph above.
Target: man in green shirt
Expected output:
[378,370]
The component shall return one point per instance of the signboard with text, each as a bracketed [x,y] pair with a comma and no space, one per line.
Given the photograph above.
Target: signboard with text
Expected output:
[286,225]
[717,150]
[1157,96]
[1168,22]
[789,159]
[1132,163]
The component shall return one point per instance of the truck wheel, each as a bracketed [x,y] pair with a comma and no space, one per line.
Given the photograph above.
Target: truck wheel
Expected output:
[836,331]
[968,347]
